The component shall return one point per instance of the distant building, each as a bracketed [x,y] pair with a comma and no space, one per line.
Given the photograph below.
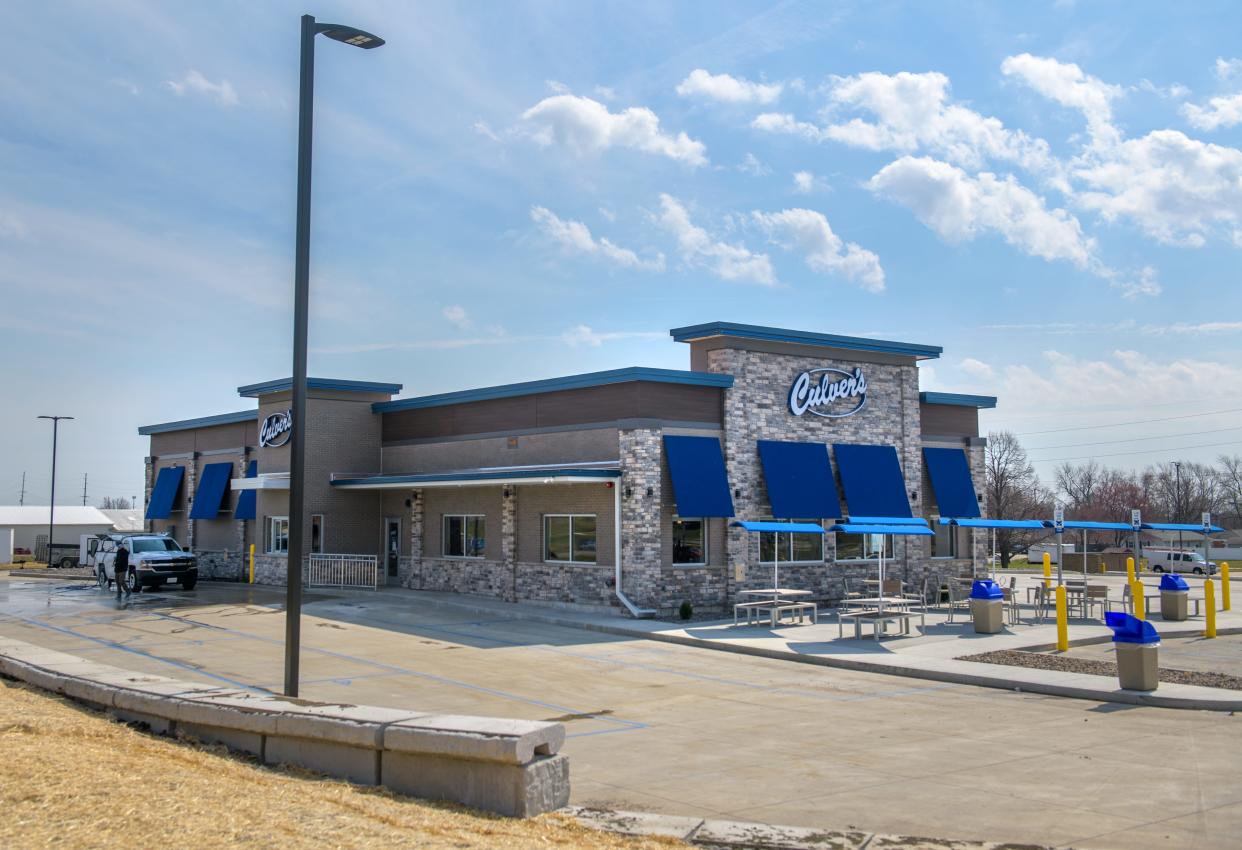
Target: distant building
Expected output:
[29,522]
[127,521]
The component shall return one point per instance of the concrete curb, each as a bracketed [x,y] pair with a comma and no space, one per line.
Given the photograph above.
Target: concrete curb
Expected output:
[761,836]
[511,767]
[1024,679]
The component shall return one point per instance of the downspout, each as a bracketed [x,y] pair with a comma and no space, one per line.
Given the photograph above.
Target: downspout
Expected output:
[635,611]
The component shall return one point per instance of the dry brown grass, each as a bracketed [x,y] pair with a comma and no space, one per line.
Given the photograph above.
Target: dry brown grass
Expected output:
[71,778]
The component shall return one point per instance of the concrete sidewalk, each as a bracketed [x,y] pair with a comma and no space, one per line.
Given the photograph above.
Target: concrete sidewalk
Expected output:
[931,655]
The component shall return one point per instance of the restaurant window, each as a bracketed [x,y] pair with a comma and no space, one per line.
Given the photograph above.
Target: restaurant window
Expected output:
[569,538]
[689,541]
[864,547]
[316,534]
[944,544]
[805,548]
[278,535]
[464,536]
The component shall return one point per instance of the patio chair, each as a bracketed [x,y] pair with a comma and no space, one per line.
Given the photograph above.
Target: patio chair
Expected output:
[849,600]
[1097,595]
[1010,603]
[959,597]
[919,596]
[891,587]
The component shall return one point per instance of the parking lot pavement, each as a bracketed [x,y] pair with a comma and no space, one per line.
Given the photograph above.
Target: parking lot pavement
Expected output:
[680,730]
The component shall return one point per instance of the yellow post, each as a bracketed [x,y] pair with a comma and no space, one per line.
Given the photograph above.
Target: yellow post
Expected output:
[1209,602]
[1224,587]
[1129,571]
[1047,570]
[252,563]
[1062,624]
[1140,602]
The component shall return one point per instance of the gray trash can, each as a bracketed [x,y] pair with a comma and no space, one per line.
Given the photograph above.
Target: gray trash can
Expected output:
[987,609]
[1173,595]
[1137,645]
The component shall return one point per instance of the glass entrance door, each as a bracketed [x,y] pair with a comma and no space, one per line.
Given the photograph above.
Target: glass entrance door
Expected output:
[392,545]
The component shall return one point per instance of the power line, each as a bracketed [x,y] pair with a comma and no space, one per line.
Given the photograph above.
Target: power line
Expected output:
[1139,452]
[1137,439]
[1135,422]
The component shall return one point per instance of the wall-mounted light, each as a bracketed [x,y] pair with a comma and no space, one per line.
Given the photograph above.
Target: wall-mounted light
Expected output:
[506,492]
[914,495]
[650,491]
[409,503]
[737,493]
[628,492]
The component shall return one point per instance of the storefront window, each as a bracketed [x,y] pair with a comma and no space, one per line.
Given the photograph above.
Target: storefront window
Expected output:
[944,544]
[569,538]
[316,534]
[689,541]
[863,547]
[278,535]
[794,547]
[464,536]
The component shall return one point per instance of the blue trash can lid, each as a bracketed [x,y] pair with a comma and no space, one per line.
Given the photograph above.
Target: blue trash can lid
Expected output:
[1130,629]
[1172,581]
[986,589]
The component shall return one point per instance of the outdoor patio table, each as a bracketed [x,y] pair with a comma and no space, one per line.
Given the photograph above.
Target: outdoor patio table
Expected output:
[774,600]
[877,620]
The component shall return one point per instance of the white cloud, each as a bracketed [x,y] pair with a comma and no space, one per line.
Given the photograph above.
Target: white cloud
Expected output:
[1173,91]
[1227,68]
[585,335]
[1174,188]
[808,231]
[959,207]
[605,92]
[1068,85]
[751,165]
[913,112]
[12,227]
[727,89]
[195,83]
[457,316]
[586,126]
[556,87]
[576,237]
[804,182]
[728,262]
[977,368]
[1192,328]
[1222,111]
[1147,283]
[485,129]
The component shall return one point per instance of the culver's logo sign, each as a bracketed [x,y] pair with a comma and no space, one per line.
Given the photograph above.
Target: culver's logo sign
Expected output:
[276,429]
[816,391]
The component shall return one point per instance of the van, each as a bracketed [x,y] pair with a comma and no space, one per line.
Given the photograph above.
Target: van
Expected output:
[1178,561]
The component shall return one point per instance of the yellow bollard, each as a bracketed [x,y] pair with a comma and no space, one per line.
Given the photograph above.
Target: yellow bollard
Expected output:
[1140,602]
[252,563]
[1209,602]
[1129,571]
[1047,570]
[1224,587]
[1062,624]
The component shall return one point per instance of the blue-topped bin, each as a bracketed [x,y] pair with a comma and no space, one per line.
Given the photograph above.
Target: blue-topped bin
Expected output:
[987,607]
[1138,645]
[986,589]
[1174,596]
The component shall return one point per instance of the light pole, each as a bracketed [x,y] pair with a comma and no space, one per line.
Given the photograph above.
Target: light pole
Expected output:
[301,286]
[1177,499]
[51,508]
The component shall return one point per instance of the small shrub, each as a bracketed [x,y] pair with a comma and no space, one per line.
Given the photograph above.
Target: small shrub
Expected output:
[686,610]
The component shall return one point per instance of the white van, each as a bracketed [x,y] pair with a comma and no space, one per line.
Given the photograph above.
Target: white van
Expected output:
[1178,561]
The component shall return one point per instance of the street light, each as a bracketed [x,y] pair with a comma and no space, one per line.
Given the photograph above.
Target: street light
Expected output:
[301,287]
[1177,499]
[51,509]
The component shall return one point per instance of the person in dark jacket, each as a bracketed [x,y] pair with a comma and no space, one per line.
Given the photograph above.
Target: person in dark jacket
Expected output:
[120,570]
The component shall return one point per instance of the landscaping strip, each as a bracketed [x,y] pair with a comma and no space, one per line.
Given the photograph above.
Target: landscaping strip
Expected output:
[1092,667]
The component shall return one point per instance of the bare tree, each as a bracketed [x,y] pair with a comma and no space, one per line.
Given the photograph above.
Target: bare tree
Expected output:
[1077,486]
[115,503]
[1181,496]
[1230,477]
[1013,492]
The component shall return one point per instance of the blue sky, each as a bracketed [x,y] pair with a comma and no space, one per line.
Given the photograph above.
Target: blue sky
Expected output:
[512,191]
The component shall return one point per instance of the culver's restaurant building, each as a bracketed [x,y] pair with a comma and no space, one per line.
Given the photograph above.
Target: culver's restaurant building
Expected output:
[611,489]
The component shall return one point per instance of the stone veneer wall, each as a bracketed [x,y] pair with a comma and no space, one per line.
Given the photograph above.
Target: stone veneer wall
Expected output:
[223,565]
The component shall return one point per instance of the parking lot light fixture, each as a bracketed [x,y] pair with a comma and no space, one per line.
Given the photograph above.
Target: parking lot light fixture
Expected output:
[51,509]
[301,295]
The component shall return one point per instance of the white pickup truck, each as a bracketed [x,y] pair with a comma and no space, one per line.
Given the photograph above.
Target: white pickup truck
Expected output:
[154,559]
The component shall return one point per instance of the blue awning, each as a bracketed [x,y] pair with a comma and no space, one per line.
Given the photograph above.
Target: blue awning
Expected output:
[1179,526]
[246,499]
[885,520]
[211,487]
[781,527]
[799,479]
[700,483]
[1087,525]
[165,492]
[950,479]
[872,480]
[893,530]
[993,523]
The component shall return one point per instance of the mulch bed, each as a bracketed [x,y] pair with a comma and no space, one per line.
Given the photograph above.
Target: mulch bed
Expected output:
[1091,667]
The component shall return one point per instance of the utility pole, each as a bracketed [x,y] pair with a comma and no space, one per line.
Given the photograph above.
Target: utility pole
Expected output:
[21,500]
[51,510]
[1177,499]
[84,489]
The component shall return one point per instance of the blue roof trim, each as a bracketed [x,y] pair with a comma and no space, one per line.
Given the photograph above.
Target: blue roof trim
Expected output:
[958,399]
[480,476]
[204,422]
[853,343]
[281,384]
[570,382]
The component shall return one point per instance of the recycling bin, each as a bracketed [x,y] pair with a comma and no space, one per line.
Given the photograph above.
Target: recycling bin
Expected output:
[1173,595]
[1137,644]
[987,607]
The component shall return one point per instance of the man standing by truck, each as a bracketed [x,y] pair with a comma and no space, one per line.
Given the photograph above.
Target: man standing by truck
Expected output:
[120,570]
